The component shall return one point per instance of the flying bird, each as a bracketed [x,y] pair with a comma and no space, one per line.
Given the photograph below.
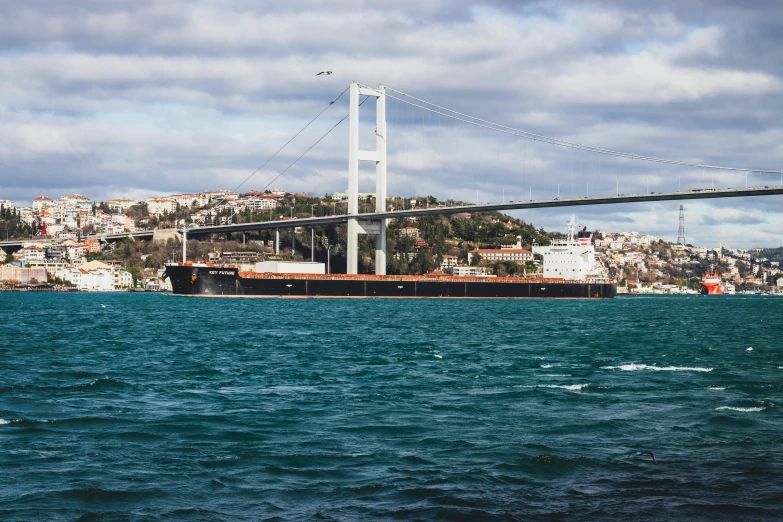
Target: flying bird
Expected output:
[327,73]
[641,452]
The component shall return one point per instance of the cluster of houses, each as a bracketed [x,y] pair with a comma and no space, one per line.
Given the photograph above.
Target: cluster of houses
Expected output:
[626,252]
[62,218]
[450,263]
[58,251]
[41,261]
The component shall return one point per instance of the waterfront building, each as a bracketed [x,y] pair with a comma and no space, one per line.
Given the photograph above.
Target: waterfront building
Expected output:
[15,273]
[123,279]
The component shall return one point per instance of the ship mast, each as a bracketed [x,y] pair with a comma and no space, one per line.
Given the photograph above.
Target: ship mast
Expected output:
[571,226]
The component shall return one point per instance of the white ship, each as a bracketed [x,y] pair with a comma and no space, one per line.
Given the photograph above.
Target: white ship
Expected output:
[572,258]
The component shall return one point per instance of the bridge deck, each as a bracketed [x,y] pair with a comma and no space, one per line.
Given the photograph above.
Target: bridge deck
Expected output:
[512,205]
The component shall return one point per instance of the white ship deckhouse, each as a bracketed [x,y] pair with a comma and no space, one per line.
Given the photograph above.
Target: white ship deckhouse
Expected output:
[571,258]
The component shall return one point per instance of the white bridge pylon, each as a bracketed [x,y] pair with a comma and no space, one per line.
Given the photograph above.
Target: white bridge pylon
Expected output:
[356,224]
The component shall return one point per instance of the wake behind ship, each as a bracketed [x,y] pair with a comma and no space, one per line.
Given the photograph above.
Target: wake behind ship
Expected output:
[569,270]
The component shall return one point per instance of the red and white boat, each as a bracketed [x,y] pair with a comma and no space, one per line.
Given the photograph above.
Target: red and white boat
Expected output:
[711,283]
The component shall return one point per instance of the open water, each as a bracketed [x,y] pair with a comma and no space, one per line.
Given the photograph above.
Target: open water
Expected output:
[156,407]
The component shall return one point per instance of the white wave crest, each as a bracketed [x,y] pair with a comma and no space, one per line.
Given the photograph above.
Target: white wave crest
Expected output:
[732,408]
[718,388]
[3,421]
[569,387]
[635,367]
[546,365]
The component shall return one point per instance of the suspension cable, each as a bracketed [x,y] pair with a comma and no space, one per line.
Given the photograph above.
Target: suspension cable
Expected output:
[308,149]
[284,146]
[311,146]
[472,120]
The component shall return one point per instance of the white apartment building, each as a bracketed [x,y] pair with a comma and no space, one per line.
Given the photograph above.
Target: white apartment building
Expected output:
[410,232]
[217,195]
[468,271]
[100,280]
[259,204]
[449,261]
[33,254]
[123,221]
[75,200]
[27,215]
[120,205]
[40,203]
[157,206]
[186,200]
[123,279]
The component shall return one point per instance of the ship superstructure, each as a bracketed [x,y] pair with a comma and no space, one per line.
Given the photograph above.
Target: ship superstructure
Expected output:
[711,283]
[571,258]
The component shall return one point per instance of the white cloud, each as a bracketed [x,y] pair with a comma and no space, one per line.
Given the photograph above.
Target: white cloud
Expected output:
[129,97]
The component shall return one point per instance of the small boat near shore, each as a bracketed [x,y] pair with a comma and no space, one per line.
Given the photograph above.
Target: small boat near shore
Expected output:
[711,283]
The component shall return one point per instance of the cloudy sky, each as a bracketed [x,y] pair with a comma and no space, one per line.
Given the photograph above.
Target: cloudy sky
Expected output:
[137,98]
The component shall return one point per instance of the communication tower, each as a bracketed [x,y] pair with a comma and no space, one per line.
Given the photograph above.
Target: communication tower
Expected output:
[681,231]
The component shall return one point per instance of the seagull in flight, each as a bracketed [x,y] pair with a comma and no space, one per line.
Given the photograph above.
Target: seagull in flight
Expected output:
[327,73]
[641,452]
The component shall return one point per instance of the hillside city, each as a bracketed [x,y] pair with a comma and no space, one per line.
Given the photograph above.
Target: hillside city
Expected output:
[63,245]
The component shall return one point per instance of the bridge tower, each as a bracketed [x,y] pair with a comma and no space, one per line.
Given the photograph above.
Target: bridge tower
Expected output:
[364,225]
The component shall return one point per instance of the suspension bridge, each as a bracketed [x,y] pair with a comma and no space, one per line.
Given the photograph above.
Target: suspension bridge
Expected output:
[441,143]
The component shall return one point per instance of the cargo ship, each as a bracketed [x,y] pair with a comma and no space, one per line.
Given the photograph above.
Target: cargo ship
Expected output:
[569,270]
[711,283]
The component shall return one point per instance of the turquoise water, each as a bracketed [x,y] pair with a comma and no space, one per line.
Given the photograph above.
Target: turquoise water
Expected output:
[158,407]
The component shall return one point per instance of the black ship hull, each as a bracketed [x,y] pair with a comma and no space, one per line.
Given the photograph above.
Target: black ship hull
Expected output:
[227,282]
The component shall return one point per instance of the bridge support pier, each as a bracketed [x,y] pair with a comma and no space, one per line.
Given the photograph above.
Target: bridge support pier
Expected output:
[277,241]
[365,224]
[165,234]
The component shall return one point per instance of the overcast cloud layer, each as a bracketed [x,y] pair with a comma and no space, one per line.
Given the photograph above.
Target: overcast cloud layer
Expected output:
[138,98]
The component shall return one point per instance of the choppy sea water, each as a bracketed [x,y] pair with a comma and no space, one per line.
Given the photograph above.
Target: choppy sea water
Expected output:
[156,407]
